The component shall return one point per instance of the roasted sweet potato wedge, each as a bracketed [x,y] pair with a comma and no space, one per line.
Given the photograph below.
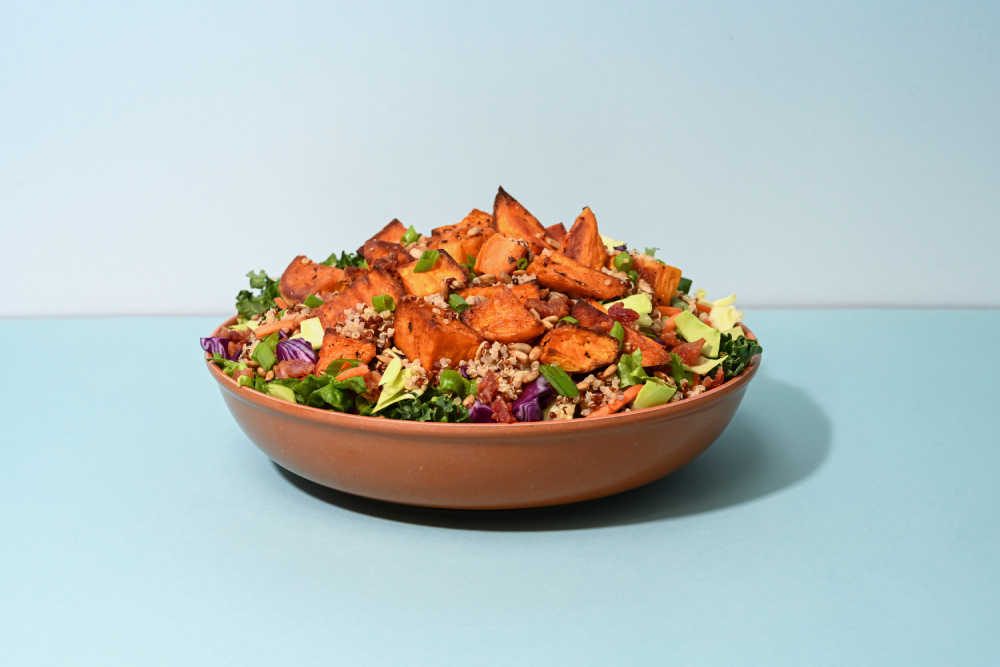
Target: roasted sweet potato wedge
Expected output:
[524,291]
[500,255]
[429,282]
[591,318]
[584,244]
[422,333]
[392,232]
[513,220]
[476,218]
[556,307]
[558,232]
[663,278]
[375,250]
[578,350]
[503,319]
[653,354]
[336,346]
[458,243]
[371,283]
[304,277]
[566,275]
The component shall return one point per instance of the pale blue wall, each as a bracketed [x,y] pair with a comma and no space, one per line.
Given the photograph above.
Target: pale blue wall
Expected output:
[151,154]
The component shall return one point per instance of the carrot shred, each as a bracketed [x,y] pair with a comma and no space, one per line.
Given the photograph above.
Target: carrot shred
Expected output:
[615,406]
[279,302]
[669,311]
[268,329]
[352,372]
[669,325]
[704,307]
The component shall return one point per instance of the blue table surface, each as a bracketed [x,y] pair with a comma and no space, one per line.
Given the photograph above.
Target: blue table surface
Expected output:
[849,515]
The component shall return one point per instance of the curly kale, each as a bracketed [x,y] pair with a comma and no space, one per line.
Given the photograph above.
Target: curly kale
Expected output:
[433,406]
[345,260]
[248,304]
[739,351]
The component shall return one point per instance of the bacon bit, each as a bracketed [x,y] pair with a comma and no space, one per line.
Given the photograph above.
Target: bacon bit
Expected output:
[689,352]
[372,379]
[556,307]
[233,347]
[719,376]
[242,372]
[501,411]
[389,262]
[293,368]
[489,387]
[706,382]
[624,315]
[670,338]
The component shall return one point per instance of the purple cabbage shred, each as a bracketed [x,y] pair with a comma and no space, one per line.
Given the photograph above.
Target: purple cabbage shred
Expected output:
[295,348]
[481,413]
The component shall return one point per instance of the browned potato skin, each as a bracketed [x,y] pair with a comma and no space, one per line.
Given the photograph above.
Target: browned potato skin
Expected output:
[653,354]
[524,291]
[513,220]
[578,350]
[566,275]
[476,218]
[336,346]
[429,282]
[558,232]
[499,255]
[663,278]
[428,336]
[367,285]
[457,242]
[375,249]
[393,232]
[584,244]
[555,308]
[503,319]
[304,277]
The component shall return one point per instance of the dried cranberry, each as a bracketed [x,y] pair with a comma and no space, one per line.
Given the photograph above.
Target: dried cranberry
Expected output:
[624,315]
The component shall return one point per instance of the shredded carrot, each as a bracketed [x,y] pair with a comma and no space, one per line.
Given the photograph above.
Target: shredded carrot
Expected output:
[615,406]
[695,380]
[704,307]
[268,329]
[669,325]
[352,372]
[279,302]
[669,311]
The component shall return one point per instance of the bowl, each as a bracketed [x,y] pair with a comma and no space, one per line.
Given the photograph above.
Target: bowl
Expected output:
[483,466]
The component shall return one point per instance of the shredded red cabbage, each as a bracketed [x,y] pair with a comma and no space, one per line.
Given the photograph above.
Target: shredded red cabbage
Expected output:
[528,406]
[295,348]
[465,371]
[219,346]
[481,413]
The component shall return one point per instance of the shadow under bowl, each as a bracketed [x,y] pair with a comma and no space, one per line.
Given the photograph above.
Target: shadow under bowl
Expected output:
[483,466]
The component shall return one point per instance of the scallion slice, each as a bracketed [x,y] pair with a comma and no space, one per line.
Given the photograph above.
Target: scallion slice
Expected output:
[410,236]
[569,319]
[314,301]
[684,286]
[457,303]
[522,264]
[426,261]
[559,380]
[623,262]
[383,302]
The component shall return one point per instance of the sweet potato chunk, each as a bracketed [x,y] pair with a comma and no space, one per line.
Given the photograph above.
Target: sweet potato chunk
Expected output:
[558,232]
[578,350]
[513,220]
[653,354]
[429,282]
[556,307]
[376,250]
[500,255]
[663,278]
[372,283]
[503,319]
[431,336]
[457,242]
[336,346]
[476,218]
[568,276]
[584,244]
[524,291]
[304,277]
[392,232]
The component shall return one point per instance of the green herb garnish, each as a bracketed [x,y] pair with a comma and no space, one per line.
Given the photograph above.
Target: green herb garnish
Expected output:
[651,251]
[248,304]
[559,380]
[522,264]
[622,261]
[426,261]
[314,301]
[383,302]
[684,286]
[457,303]
[264,355]
[410,236]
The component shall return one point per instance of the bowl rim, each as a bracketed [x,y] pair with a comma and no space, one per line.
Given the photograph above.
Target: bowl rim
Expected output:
[400,427]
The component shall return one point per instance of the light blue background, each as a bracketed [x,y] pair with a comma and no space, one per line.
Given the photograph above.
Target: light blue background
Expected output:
[848,516]
[827,155]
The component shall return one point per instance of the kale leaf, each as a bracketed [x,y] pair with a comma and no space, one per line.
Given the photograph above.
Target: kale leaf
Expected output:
[249,304]
[431,406]
[739,351]
[345,260]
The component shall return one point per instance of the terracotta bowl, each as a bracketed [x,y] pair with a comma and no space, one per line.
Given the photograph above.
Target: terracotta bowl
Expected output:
[483,466]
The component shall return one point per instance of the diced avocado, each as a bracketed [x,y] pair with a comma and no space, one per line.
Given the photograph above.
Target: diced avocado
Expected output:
[640,303]
[704,365]
[312,331]
[249,324]
[394,386]
[691,329]
[654,392]
[610,244]
[279,391]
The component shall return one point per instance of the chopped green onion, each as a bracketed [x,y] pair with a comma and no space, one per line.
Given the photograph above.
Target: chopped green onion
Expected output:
[457,303]
[651,251]
[684,286]
[522,264]
[618,331]
[338,365]
[383,302]
[633,276]
[623,262]
[559,380]
[410,236]
[314,301]
[426,261]
[264,355]
[678,303]
[272,341]
[572,320]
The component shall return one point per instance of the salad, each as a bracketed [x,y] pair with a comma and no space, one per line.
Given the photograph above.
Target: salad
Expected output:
[495,319]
